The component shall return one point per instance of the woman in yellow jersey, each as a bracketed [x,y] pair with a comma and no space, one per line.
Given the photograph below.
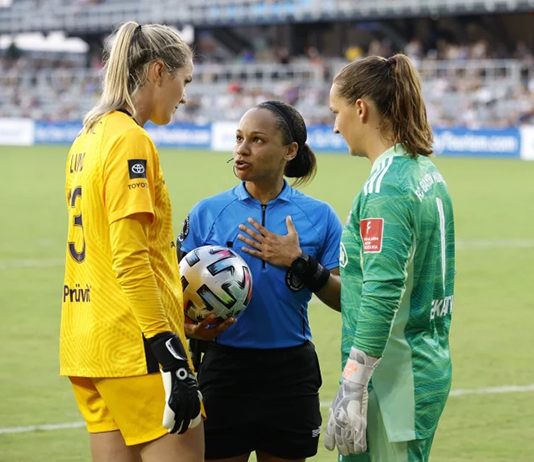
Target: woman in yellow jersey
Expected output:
[122,315]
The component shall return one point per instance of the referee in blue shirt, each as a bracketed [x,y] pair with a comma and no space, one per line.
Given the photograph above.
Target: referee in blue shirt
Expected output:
[260,378]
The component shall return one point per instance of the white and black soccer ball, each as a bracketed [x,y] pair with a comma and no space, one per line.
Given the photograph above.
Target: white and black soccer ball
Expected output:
[215,280]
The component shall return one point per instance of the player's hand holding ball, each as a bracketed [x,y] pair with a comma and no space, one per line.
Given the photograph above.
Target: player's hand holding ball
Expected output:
[182,396]
[207,329]
[347,423]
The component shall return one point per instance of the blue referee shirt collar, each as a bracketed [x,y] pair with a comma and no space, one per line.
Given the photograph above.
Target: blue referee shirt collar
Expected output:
[285,194]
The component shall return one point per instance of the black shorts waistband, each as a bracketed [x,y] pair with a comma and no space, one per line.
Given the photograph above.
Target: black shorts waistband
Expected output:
[258,351]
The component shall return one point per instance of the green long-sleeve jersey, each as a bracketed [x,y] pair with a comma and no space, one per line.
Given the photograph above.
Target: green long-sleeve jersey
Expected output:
[397,273]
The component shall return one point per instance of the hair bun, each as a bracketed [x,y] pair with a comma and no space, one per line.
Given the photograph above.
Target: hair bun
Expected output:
[303,165]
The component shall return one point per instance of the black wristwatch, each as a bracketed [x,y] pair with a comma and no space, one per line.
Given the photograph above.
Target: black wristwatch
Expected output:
[301,264]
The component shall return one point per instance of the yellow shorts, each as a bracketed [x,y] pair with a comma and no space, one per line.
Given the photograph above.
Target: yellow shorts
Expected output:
[133,405]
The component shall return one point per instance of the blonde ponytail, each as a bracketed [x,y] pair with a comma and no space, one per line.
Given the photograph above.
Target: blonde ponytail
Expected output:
[130,51]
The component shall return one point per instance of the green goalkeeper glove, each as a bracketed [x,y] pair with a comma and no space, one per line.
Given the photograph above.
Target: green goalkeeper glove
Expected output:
[347,423]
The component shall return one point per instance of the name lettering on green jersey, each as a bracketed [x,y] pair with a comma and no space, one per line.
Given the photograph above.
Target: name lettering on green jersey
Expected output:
[426,183]
[441,307]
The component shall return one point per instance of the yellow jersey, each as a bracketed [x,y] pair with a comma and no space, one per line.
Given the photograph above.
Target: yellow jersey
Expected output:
[113,172]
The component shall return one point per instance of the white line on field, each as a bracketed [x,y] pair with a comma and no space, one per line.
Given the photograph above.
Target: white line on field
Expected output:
[15,264]
[324,404]
[475,244]
[462,244]
[38,428]
[492,390]
[475,391]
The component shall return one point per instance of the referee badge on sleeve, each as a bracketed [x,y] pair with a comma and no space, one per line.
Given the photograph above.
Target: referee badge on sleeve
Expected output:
[185,230]
[137,168]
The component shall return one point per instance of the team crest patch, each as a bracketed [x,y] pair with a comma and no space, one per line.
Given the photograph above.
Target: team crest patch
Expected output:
[137,168]
[372,230]
[185,230]
[293,282]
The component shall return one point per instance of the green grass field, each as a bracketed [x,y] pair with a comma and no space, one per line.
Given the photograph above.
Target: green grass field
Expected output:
[491,336]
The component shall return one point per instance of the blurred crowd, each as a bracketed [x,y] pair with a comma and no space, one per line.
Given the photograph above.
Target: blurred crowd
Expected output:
[466,85]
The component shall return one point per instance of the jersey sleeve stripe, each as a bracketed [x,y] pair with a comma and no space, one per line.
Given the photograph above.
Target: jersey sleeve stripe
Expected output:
[368,188]
[379,181]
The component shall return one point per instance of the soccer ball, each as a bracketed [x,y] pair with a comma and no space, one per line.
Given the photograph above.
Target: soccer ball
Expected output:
[215,280]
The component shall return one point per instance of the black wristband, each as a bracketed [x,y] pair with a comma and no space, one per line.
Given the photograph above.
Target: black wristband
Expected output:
[310,272]
[169,351]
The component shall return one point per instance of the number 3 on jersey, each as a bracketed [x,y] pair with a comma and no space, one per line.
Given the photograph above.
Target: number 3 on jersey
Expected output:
[77,256]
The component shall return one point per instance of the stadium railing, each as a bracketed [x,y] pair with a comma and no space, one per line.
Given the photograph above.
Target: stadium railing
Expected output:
[226,91]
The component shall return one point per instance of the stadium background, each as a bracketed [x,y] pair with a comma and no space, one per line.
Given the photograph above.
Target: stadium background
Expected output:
[476,58]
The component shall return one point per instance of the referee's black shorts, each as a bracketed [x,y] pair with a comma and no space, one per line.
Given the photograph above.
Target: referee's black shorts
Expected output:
[261,400]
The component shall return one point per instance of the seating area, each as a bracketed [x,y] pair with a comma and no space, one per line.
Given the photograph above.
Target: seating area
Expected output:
[470,93]
[471,76]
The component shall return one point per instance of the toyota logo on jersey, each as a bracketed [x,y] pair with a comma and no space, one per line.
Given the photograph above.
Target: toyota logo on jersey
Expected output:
[137,168]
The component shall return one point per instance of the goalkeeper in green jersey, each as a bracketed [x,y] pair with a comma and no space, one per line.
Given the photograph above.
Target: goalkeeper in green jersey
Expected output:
[397,271]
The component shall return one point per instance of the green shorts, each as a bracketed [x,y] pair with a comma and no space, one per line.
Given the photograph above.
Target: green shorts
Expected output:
[379,449]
